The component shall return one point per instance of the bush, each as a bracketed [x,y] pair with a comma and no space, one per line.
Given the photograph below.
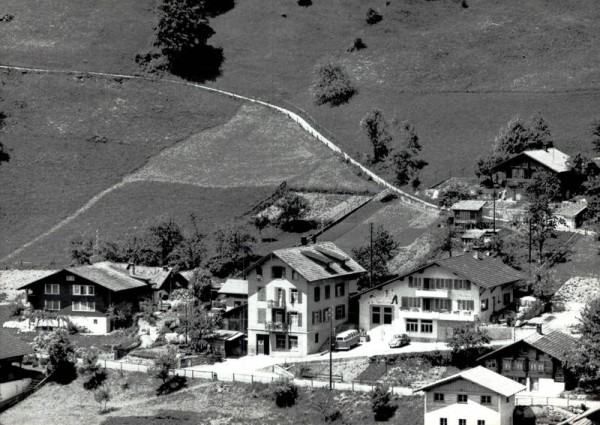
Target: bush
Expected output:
[102,396]
[95,380]
[358,44]
[382,403]
[304,3]
[332,84]
[174,383]
[373,16]
[325,406]
[284,394]
[15,309]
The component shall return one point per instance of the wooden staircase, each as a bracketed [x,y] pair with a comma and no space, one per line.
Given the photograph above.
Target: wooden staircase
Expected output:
[37,381]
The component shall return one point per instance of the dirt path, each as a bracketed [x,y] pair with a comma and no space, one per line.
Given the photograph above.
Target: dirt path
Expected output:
[299,120]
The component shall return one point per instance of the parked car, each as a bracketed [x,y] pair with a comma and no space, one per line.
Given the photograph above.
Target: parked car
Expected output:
[399,341]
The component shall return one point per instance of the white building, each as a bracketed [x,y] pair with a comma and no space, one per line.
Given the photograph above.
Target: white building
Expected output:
[475,396]
[292,293]
[429,302]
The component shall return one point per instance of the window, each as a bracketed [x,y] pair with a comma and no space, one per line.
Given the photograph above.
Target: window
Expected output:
[294,275]
[84,306]
[316,317]
[340,289]
[518,365]
[327,314]
[462,398]
[486,399]
[480,422]
[491,364]
[262,293]
[52,289]
[388,313]
[70,278]
[415,282]
[462,422]
[506,365]
[85,290]
[375,315]
[95,321]
[438,396]
[293,319]
[443,421]
[327,292]
[294,296]
[462,284]
[484,304]
[262,315]
[259,273]
[293,342]
[317,294]
[410,302]
[52,305]
[280,342]
[277,272]
[427,326]
[412,325]
[340,312]
[466,305]
[317,338]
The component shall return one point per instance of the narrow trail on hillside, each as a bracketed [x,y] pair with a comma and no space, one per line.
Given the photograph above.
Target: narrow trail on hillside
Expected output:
[295,117]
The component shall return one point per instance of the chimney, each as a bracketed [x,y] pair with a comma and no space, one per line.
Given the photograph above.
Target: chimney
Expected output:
[538,328]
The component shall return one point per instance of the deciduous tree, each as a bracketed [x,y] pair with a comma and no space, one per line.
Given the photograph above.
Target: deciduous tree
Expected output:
[384,249]
[200,324]
[467,344]
[377,131]
[585,359]
[82,250]
[332,84]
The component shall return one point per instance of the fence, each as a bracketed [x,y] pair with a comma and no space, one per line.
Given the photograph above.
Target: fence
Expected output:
[554,401]
[250,378]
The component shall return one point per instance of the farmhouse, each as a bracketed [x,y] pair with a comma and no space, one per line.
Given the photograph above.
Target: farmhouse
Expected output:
[427,303]
[468,214]
[537,362]
[233,293]
[521,168]
[474,396]
[293,293]
[84,294]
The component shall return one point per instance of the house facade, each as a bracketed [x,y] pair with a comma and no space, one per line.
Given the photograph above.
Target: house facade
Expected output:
[292,296]
[233,293]
[476,396]
[429,302]
[537,362]
[84,294]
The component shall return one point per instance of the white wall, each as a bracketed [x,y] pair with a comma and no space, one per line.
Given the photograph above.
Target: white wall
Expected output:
[100,327]
[13,388]
[471,411]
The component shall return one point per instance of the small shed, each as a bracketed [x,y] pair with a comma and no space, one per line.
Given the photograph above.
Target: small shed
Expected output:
[571,214]
[468,214]
[228,343]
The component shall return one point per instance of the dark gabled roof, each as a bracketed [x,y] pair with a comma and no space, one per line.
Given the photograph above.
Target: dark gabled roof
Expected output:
[11,347]
[551,158]
[105,274]
[484,377]
[157,276]
[556,344]
[483,271]
[323,260]
[589,417]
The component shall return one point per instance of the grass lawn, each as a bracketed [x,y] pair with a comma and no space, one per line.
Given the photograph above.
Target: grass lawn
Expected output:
[134,402]
[70,138]
[582,261]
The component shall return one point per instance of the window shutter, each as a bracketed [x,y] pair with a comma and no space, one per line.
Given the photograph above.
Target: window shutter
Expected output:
[289,318]
[262,315]
[282,296]
[299,319]
[299,297]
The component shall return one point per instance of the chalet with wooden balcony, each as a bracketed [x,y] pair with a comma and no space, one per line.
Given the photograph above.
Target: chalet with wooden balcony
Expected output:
[293,293]
[475,396]
[518,170]
[429,302]
[538,362]
[468,214]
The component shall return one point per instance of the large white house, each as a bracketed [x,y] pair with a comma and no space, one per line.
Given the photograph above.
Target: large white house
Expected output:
[429,302]
[292,293]
[475,396]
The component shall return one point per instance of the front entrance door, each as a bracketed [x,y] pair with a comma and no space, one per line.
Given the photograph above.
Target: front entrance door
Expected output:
[262,344]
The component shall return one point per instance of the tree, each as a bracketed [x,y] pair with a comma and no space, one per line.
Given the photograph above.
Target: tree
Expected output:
[592,194]
[61,355]
[382,403]
[121,314]
[182,29]
[596,134]
[543,283]
[293,207]
[332,84]
[373,16]
[82,250]
[90,369]
[260,222]
[201,286]
[519,135]
[542,189]
[376,129]
[168,235]
[539,131]
[164,364]
[200,324]
[102,396]
[234,249]
[454,192]
[444,238]
[544,184]
[384,249]
[585,360]
[406,160]
[582,168]
[4,156]
[467,344]
[485,167]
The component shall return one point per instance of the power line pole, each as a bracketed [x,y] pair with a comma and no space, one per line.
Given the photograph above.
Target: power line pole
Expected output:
[371,254]
[331,346]
[530,240]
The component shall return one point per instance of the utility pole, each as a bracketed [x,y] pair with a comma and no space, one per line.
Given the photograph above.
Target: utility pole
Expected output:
[331,346]
[530,240]
[494,209]
[371,254]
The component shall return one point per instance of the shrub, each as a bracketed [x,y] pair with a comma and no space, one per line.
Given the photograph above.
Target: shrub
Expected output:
[358,44]
[16,309]
[304,3]
[174,383]
[95,380]
[382,403]
[102,397]
[325,406]
[284,394]
[373,16]
[332,84]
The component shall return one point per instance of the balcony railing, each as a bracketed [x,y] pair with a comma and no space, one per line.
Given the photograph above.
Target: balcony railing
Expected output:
[459,315]
[276,326]
[432,293]
[275,304]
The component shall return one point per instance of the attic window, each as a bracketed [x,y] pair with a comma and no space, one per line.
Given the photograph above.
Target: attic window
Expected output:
[70,278]
[278,272]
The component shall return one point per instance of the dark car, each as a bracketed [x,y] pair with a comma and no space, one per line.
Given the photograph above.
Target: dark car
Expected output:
[399,341]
